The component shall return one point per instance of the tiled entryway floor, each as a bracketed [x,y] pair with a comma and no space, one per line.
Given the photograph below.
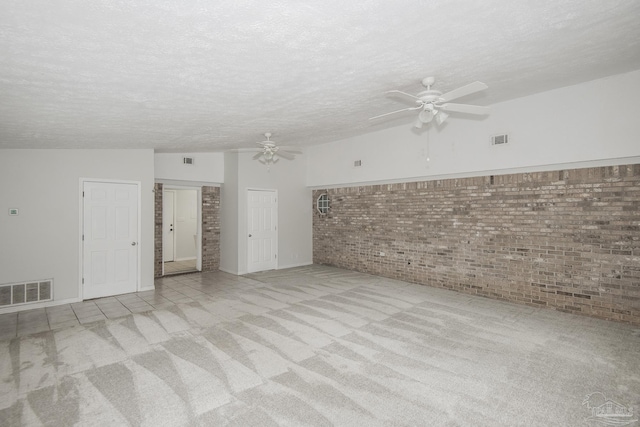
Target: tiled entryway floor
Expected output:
[169,291]
[174,267]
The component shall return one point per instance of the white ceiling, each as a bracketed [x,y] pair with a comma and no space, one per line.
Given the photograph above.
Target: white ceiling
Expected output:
[204,75]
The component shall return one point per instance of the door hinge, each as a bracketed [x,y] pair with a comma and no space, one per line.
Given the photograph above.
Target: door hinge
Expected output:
[83,237]
[276,256]
[83,280]
[83,194]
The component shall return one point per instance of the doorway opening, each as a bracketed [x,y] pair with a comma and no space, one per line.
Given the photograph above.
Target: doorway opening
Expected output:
[181,230]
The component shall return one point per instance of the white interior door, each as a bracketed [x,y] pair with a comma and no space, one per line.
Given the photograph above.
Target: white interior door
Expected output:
[110,239]
[262,209]
[168,229]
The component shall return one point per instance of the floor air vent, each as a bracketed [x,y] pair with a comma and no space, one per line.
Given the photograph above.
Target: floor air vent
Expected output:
[26,292]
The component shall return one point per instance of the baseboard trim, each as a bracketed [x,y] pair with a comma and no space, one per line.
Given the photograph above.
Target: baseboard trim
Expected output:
[235,273]
[302,264]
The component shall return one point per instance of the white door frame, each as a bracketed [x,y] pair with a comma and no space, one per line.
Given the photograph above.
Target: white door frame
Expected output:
[198,222]
[138,185]
[246,224]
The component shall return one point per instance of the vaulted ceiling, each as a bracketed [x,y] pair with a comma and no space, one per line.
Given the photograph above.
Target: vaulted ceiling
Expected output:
[200,75]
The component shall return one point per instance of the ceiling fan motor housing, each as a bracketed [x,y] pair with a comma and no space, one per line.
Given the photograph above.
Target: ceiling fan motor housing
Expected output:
[430,96]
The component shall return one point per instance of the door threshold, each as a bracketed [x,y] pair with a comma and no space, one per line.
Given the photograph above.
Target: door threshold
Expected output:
[180,273]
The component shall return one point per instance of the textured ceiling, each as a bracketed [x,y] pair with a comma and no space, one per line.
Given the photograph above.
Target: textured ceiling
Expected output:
[177,75]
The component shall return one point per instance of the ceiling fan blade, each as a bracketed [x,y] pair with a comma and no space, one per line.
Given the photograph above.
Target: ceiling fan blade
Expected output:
[465,108]
[290,149]
[258,155]
[286,155]
[402,93]
[397,111]
[463,91]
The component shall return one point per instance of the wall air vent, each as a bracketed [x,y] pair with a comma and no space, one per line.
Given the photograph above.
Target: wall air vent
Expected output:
[187,160]
[26,292]
[357,163]
[501,139]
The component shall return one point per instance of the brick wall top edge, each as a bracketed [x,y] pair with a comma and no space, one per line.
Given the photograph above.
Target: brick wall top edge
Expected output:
[565,176]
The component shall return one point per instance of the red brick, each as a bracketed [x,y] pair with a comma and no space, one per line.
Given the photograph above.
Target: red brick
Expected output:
[521,238]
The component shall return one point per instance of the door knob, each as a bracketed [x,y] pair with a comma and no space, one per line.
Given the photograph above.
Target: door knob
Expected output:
[133,243]
[249,235]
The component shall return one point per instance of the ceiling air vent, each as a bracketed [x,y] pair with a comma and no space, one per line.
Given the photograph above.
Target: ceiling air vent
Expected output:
[500,139]
[357,163]
[187,160]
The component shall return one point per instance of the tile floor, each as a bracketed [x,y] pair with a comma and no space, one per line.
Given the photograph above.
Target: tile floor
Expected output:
[175,267]
[169,291]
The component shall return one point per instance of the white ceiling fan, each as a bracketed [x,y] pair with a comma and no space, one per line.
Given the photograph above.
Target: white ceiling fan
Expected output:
[270,153]
[434,104]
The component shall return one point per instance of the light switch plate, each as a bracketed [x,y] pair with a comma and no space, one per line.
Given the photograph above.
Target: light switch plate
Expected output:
[13,211]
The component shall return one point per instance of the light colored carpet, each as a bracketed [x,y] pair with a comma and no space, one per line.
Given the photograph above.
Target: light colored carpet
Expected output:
[321,346]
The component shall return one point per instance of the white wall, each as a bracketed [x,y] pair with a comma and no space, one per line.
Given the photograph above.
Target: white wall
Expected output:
[590,124]
[229,215]
[44,240]
[186,224]
[208,168]
[294,210]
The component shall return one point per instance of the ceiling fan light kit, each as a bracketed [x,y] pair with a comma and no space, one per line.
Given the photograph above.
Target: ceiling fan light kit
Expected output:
[441,117]
[425,116]
[434,104]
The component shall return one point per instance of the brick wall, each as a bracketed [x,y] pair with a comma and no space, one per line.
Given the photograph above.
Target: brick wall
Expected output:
[210,228]
[567,240]
[157,244]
